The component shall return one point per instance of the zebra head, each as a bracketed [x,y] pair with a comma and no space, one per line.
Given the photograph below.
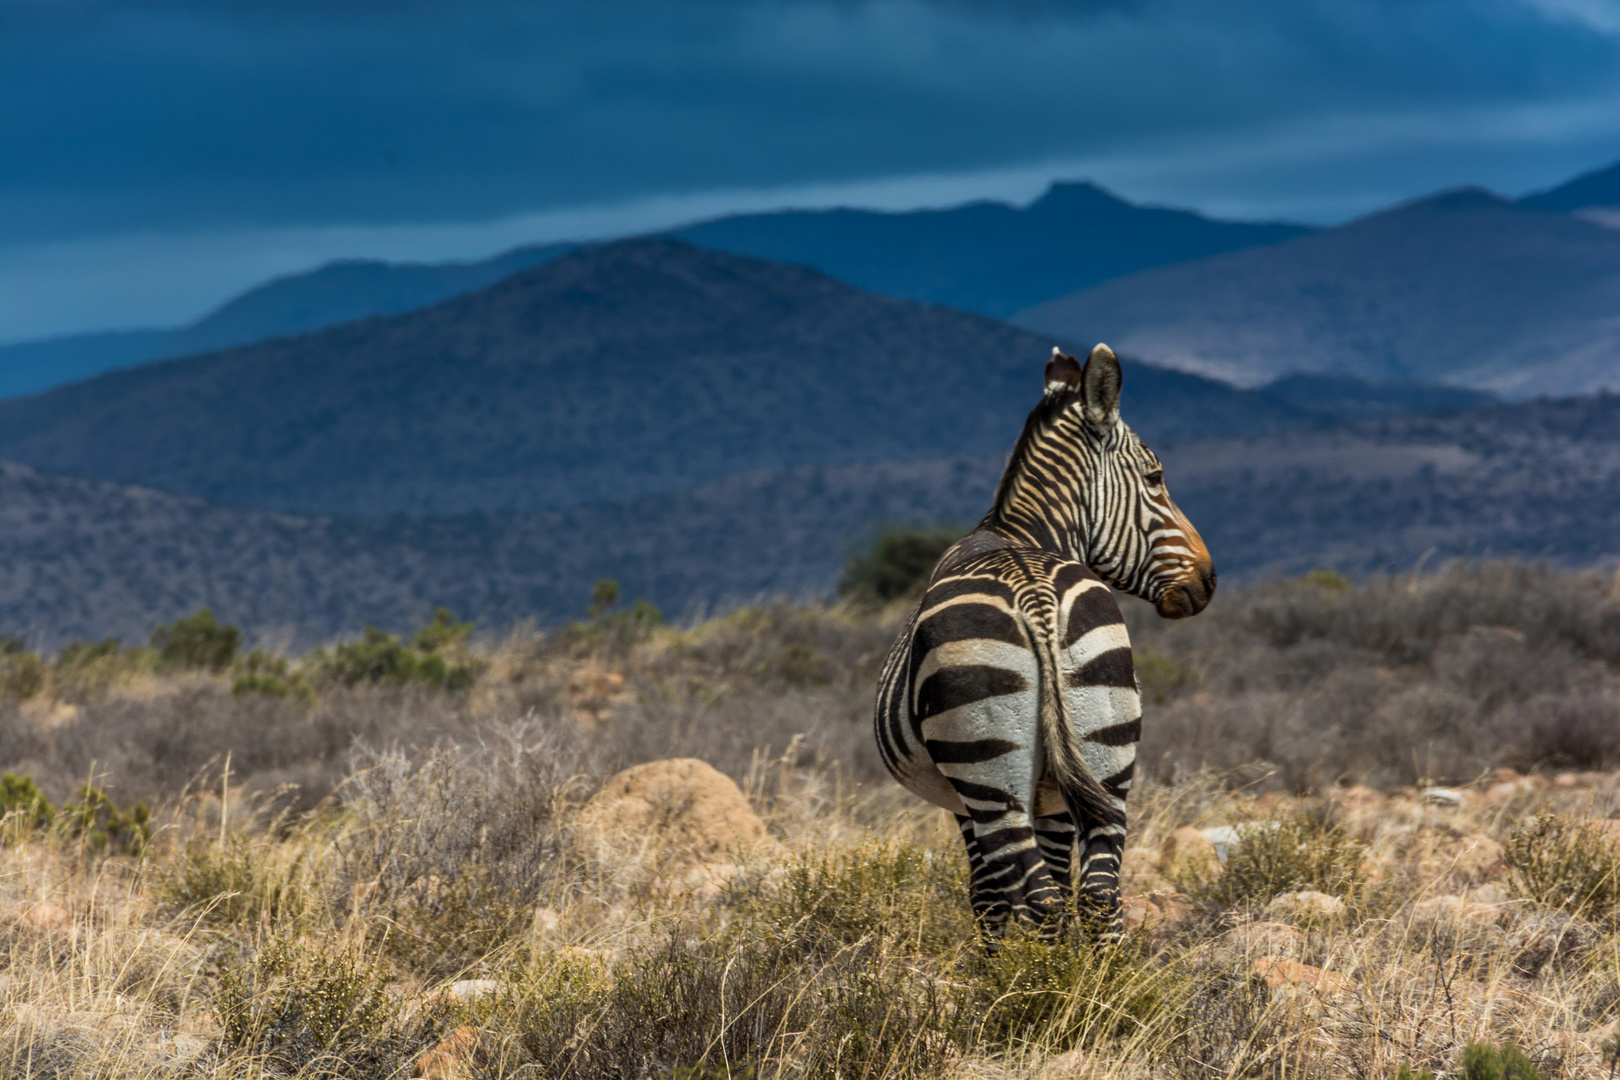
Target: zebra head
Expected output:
[1082,482]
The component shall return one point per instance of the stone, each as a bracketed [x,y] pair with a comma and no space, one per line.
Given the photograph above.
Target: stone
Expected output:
[45,917]
[1288,976]
[1566,780]
[463,990]
[1140,913]
[1187,850]
[1450,798]
[1273,939]
[1306,904]
[1453,908]
[1507,790]
[593,692]
[681,808]
[452,1059]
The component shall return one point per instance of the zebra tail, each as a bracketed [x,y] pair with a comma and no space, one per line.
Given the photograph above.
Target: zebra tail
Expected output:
[1086,798]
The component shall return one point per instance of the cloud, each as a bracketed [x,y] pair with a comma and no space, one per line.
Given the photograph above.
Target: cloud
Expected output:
[313,126]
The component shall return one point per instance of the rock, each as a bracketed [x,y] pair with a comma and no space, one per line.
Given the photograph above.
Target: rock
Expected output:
[1453,908]
[463,990]
[1226,837]
[45,917]
[1306,905]
[592,693]
[1139,867]
[546,920]
[680,808]
[1508,790]
[1273,939]
[1187,850]
[1357,796]
[1450,798]
[1141,913]
[1566,780]
[1288,976]
[452,1059]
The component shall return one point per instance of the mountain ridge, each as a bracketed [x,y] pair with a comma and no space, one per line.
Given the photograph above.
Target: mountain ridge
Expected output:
[1461,288]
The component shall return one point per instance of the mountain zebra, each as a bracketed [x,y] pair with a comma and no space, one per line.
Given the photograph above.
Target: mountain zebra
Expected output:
[1011,699]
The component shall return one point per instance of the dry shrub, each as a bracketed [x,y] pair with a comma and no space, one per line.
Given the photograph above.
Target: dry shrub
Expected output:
[452,848]
[1567,864]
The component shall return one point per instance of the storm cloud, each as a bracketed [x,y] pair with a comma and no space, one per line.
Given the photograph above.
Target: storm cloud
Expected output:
[195,119]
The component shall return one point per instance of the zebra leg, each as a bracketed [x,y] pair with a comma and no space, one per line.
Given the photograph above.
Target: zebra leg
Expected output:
[1009,878]
[1054,834]
[1102,849]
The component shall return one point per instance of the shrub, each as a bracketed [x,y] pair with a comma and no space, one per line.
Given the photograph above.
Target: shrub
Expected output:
[261,672]
[314,1006]
[85,671]
[20,796]
[1565,863]
[1058,995]
[196,642]
[1481,1061]
[22,672]
[1307,850]
[896,565]
[229,881]
[434,656]
[96,821]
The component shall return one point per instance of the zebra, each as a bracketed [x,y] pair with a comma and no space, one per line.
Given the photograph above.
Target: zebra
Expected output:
[1010,699]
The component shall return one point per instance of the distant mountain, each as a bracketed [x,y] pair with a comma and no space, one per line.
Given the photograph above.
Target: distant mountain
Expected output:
[986,257]
[1598,188]
[611,373]
[1463,288]
[90,559]
[1342,399]
[336,293]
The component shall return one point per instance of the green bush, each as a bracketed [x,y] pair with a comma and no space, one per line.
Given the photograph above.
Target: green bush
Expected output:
[22,672]
[615,628]
[896,565]
[1565,863]
[96,821]
[19,795]
[1481,1061]
[261,672]
[318,1008]
[196,642]
[1307,850]
[1159,676]
[435,655]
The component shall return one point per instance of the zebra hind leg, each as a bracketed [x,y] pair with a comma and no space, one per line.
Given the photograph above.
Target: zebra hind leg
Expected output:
[1054,835]
[1008,880]
[1102,848]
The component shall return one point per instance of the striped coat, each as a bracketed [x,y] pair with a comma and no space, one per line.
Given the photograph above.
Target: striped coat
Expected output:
[1011,699]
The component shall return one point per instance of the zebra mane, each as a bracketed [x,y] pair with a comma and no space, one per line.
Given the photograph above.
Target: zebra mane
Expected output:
[1041,418]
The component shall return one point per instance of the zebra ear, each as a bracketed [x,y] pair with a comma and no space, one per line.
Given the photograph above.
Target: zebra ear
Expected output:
[1101,381]
[1062,372]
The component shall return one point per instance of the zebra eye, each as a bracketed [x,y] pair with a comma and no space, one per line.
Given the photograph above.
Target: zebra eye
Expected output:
[1156,477]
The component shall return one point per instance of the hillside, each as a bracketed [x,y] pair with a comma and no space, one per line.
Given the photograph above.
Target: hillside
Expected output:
[1598,188]
[611,373]
[88,559]
[336,293]
[987,257]
[1463,288]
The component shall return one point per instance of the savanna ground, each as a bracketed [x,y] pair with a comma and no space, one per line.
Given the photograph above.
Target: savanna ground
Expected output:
[397,858]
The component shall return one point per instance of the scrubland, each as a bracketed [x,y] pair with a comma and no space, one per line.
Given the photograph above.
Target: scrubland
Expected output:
[1378,824]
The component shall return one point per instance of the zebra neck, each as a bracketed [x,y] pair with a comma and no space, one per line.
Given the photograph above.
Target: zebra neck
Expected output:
[1041,503]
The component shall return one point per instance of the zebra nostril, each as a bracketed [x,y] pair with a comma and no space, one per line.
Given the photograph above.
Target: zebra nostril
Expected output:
[1206,574]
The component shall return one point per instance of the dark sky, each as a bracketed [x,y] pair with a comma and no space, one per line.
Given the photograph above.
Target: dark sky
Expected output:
[155,157]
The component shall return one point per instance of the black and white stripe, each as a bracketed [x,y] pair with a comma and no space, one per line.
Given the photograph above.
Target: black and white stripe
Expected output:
[1011,697]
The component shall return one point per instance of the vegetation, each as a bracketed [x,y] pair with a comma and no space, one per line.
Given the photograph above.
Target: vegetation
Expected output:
[196,642]
[349,876]
[897,564]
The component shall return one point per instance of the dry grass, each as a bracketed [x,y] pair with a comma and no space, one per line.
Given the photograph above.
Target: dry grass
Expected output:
[434,837]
